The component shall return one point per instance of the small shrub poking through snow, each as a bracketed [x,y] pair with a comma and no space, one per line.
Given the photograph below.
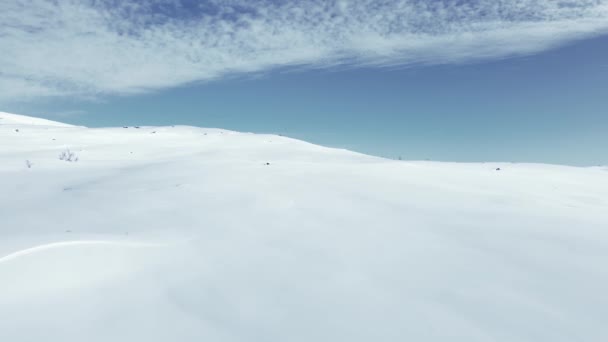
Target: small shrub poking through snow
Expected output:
[68,156]
[28,164]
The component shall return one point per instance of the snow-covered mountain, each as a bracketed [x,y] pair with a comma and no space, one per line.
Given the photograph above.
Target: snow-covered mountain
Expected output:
[194,234]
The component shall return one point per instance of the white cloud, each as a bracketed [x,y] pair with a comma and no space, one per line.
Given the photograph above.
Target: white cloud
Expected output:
[91,48]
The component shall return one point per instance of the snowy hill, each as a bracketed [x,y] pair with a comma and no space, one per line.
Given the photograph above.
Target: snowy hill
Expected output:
[14,119]
[193,234]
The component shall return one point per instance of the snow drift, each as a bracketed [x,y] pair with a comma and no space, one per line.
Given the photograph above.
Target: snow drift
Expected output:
[192,234]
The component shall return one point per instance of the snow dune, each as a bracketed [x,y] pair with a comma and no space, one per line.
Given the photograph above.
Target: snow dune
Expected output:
[189,234]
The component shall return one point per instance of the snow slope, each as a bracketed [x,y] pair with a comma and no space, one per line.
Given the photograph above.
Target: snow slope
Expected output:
[186,234]
[14,119]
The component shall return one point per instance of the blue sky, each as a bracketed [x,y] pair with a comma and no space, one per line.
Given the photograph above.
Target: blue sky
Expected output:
[516,80]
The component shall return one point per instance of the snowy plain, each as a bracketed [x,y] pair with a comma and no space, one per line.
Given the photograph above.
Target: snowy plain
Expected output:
[194,234]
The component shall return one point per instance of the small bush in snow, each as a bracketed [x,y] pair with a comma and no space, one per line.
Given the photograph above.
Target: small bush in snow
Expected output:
[28,164]
[68,156]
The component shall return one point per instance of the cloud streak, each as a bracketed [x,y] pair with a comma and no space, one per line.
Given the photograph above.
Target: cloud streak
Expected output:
[95,48]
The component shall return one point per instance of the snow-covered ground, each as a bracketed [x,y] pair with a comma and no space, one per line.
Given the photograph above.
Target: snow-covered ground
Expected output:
[194,234]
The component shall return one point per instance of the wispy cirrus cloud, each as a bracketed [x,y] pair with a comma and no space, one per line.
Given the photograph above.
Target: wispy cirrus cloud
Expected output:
[89,48]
